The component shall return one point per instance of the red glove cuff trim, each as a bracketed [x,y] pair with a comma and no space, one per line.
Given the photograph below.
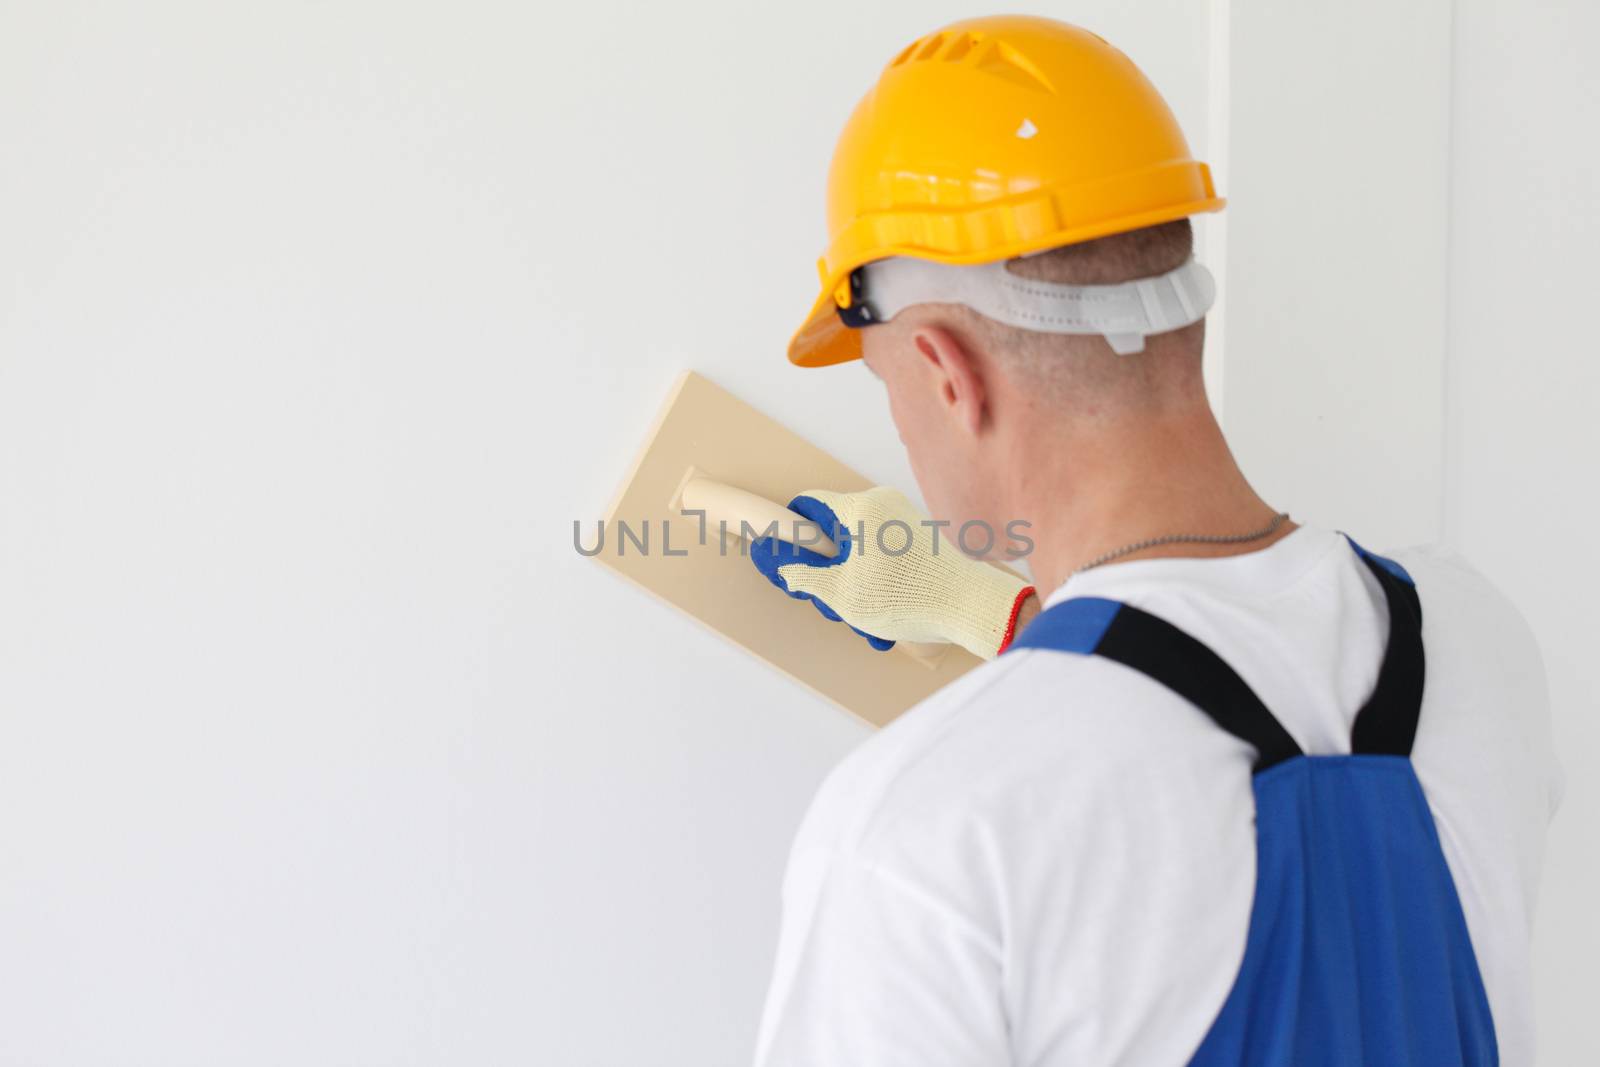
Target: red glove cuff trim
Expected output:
[1011,623]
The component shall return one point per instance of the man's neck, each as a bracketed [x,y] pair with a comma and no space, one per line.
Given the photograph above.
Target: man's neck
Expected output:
[1136,481]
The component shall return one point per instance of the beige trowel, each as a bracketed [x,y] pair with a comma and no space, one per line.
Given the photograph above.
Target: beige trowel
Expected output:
[712,472]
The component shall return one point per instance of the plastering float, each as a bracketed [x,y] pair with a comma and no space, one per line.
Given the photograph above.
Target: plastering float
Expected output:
[710,452]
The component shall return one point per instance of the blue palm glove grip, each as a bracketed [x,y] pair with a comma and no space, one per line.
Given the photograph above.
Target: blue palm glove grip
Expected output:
[769,553]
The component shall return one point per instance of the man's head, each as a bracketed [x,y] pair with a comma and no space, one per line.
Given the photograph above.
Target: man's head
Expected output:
[1013,141]
[980,404]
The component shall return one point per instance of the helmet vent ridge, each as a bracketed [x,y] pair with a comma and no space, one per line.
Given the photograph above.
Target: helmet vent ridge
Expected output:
[982,51]
[962,45]
[1003,61]
[931,46]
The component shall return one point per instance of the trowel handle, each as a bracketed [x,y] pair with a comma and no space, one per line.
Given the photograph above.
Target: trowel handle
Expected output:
[738,508]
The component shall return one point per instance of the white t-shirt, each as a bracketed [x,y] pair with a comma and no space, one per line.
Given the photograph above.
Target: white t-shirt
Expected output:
[1052,861]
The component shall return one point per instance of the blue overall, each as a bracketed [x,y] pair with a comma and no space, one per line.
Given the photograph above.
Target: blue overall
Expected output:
[1357,952]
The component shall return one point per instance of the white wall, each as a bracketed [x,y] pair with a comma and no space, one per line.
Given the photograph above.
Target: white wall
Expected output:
[1338,179]
[319,324]
[1411,251]
[1523,385]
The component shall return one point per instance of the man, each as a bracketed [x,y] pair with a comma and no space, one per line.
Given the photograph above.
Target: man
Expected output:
[1238,791]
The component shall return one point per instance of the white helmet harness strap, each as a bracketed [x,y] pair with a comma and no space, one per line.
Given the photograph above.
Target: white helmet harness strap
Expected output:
[1125,313]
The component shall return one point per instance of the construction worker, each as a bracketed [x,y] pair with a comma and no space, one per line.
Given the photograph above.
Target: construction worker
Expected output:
[1234,789]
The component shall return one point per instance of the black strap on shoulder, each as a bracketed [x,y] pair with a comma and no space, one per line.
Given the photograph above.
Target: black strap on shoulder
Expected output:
[1387,722]
[1158,649]
[1385,725]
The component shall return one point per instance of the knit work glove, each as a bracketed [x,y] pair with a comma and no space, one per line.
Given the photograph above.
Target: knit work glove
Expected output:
[929,592]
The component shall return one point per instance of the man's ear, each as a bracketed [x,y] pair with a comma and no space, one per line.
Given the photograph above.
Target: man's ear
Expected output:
[954,373]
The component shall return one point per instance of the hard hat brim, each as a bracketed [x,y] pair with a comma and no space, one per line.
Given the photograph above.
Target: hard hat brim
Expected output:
[823,340]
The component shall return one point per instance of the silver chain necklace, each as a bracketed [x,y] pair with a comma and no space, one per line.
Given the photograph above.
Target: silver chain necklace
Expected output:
[1176,539]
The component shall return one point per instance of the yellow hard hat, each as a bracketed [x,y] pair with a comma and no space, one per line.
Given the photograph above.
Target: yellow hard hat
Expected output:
[992,138]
